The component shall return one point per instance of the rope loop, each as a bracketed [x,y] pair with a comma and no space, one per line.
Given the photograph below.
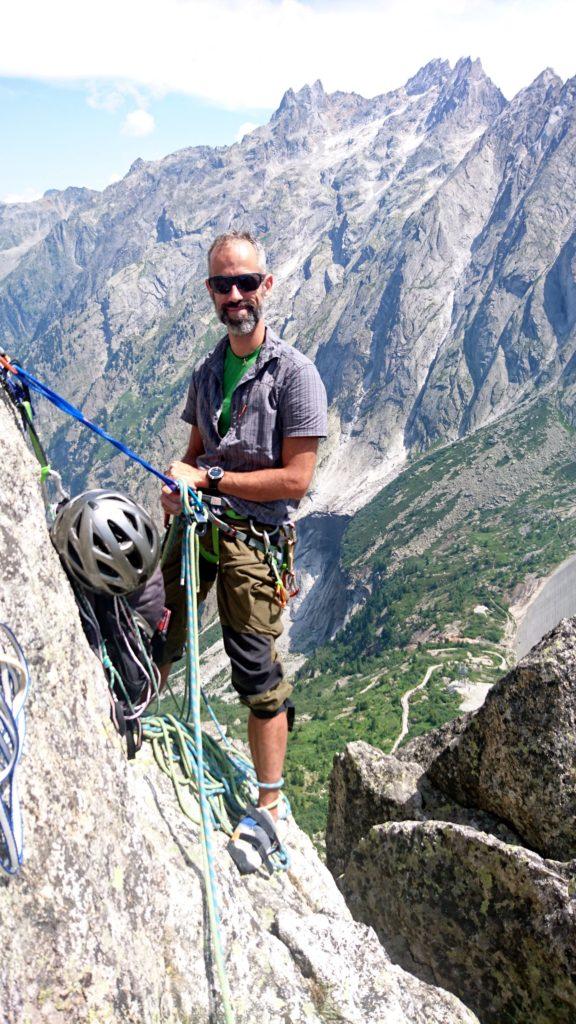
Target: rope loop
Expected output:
[14,687]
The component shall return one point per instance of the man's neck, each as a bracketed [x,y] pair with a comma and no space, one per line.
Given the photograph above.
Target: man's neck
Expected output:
[244,344]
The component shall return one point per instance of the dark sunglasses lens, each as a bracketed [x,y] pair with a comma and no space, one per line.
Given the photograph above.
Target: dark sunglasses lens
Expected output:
[249,282]
[222,285]
[244,283]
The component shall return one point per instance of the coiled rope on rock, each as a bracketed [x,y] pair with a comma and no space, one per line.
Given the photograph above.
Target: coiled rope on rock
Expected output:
[14,687]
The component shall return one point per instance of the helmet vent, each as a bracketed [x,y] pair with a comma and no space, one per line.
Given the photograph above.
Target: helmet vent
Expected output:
[106,570]
[73,555]
[134,558]
[117,531]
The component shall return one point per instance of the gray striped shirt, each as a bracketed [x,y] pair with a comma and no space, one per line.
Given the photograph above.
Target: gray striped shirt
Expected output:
[281,396]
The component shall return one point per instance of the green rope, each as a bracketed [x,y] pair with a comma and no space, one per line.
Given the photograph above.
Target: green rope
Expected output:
[175,741]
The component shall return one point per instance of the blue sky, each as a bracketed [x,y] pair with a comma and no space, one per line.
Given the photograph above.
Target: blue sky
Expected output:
[53,136]
[86,89]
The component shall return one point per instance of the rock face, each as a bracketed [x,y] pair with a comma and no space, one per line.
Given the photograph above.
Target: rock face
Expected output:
[106,922]
[502,922]
[451,861]
[517,758]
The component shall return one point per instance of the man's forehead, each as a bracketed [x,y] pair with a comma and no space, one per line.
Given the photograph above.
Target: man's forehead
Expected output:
[234,251]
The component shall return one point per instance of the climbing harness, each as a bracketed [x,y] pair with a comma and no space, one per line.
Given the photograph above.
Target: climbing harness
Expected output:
[14,686]
[277,545]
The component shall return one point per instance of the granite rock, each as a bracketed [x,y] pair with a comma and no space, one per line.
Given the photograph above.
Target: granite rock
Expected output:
[106,921]
[493,923]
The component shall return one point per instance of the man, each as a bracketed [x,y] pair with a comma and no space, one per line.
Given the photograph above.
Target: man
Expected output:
[256,408]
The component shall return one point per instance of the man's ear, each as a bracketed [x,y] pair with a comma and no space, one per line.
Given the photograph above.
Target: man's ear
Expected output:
[267,282]
[207,283]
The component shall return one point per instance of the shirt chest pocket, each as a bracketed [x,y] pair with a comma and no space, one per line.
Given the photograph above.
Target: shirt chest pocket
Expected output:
[257,399]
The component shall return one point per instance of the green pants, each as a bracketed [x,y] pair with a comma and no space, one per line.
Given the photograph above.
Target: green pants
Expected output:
[249,615]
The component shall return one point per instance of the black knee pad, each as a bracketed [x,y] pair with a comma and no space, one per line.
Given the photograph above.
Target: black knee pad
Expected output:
[286,708]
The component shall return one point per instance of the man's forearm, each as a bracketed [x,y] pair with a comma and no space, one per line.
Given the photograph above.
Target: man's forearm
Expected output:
[282,483]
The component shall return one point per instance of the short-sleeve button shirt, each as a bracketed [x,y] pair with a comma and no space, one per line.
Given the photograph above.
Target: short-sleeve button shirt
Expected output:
[282,395]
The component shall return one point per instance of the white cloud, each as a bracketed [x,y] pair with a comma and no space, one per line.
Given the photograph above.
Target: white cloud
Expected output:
[28,195]
[369,46]
[243,130]
[110,97]
[138,123]
[105,99]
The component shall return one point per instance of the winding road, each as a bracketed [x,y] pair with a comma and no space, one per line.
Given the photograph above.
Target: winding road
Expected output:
[405,701]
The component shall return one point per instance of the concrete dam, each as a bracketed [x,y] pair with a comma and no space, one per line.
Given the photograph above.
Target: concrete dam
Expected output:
[555,601]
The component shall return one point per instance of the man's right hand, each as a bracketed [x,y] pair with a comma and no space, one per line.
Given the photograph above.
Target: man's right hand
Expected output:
[194,477]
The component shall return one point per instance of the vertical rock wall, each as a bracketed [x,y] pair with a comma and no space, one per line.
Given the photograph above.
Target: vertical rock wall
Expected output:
[106,922]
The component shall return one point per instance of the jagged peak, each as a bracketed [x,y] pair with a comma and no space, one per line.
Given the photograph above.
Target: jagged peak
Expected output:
[465,65]
[308,97]
[547,77]
[433,73]
[468,70]
[467,91]
[542,83]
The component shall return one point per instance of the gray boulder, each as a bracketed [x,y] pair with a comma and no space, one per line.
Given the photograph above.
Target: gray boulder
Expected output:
[492,922]
[368,787]
[516,758]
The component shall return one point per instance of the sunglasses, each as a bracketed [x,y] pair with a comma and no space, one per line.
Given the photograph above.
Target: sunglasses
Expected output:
[244,283]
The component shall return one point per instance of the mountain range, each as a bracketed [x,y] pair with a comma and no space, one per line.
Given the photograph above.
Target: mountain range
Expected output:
[423,247]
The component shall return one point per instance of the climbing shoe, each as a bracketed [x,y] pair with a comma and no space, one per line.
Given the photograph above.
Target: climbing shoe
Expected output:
[254,840]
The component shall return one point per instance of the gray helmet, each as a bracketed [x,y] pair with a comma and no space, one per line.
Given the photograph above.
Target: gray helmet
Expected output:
[106,541]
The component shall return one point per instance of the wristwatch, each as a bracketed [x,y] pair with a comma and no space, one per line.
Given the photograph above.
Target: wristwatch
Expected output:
[215,474]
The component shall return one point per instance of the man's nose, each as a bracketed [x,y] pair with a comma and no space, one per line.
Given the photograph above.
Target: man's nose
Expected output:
[234,294]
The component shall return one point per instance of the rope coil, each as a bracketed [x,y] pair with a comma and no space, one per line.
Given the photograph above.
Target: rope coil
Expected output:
[14,687]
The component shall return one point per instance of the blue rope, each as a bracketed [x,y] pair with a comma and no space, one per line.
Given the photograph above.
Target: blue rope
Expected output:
[71,410]
[14,687]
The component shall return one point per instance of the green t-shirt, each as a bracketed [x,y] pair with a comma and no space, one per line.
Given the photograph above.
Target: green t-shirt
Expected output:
[234,369]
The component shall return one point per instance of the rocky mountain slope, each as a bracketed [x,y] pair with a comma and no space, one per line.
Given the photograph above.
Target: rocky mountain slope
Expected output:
[106,921]
[422,243]
[112,296]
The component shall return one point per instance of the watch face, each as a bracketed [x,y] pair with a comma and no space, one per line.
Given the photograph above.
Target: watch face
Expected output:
[215,473]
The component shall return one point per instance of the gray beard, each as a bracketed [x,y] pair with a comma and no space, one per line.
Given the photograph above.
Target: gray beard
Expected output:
[244,326]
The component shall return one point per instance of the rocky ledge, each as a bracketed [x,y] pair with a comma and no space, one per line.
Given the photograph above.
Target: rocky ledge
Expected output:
[460,850]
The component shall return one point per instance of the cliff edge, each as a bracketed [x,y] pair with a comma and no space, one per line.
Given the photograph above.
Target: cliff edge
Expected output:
[106,921]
